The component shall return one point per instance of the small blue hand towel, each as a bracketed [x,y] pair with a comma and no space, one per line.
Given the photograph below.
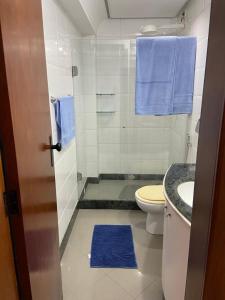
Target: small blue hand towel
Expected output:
[65,119]
[165,75]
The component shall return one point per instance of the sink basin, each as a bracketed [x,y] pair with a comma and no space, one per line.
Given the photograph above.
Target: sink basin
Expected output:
[186,192]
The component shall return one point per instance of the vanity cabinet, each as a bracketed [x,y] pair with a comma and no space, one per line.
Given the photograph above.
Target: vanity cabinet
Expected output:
[175,254]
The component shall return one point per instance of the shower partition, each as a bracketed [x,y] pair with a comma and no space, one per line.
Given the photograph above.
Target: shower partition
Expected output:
[129,143]
[110,138]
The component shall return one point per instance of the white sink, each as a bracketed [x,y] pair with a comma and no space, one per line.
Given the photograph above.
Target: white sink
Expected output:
[186,192]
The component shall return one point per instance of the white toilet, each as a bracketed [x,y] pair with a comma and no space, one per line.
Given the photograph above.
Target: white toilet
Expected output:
[151,200]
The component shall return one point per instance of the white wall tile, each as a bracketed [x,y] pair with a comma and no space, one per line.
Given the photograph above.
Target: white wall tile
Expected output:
[146,144]
[109,120]
[201,53]
[91,153]
[107,48]
[90,104]
[109,136]
[89,85]
[111,151]
[91,137]
[65,194]
[108,66]
[57,29]
[157,166]
[199,82]
[198,12]
[67,213]
[109,165]
[108,84]
[91,121]
[92,169]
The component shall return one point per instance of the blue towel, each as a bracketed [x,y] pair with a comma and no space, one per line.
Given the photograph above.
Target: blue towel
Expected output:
[184,75]
[65,119]
[165,75]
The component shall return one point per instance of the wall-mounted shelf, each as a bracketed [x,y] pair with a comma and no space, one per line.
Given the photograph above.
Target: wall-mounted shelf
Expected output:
[105,94]
[106,112]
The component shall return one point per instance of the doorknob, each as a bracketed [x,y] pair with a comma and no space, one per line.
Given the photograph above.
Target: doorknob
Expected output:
[52,147]
[57,147]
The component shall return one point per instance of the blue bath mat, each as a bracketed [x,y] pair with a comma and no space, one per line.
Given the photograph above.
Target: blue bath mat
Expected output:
[112,247]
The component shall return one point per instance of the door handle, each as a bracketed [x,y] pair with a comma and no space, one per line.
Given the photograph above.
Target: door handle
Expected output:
[52,147]
[57,147]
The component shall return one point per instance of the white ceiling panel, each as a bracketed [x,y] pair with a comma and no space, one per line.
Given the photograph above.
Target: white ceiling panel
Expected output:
[144,8]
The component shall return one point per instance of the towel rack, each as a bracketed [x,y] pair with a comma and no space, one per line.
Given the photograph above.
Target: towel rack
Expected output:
[53,99]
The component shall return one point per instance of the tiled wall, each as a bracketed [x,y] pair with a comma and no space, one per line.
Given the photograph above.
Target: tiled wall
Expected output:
[89,99]
[77,53]
[59,42]
[127,28]
[128,143]
[178,139]
[197,17]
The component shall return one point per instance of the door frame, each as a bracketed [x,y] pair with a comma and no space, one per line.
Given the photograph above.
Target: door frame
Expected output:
[205,276]
[8,243]
[209,207]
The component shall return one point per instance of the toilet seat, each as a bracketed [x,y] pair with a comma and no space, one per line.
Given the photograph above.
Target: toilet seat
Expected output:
[151,200]
[151,194]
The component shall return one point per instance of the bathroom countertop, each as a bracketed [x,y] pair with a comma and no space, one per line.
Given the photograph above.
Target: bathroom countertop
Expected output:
[177,174]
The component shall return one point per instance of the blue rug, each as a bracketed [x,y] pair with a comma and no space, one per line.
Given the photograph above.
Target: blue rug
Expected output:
[112,247]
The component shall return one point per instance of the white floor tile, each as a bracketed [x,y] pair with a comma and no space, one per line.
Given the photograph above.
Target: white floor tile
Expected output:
[103,289]
[80,282]
[133,281]
[153,292]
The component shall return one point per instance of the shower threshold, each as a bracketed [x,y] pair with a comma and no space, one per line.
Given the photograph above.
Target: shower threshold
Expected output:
[113,194]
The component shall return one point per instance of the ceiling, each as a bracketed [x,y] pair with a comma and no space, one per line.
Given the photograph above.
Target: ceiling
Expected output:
[138,9]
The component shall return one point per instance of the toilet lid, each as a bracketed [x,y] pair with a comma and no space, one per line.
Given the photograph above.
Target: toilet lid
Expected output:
[152,193]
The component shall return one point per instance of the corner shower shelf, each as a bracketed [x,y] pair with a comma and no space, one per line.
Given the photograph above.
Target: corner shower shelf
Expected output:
[105,94]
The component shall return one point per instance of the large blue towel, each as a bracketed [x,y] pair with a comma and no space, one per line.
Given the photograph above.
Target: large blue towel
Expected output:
[165,75]
[184,75]
[65,119]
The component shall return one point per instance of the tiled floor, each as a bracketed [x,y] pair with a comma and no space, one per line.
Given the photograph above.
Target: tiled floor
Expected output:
[116,189]
[80,282]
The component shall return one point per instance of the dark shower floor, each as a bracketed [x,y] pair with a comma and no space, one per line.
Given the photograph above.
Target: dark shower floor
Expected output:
[116,190]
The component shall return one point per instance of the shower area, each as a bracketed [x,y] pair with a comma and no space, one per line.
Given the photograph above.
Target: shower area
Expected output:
[118,151]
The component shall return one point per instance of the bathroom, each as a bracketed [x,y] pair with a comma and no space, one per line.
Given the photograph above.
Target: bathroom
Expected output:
[115,151]
[112,152]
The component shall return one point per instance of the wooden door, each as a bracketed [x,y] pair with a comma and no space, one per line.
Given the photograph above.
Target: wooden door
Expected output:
[25,130]
[8,284]
[206,268]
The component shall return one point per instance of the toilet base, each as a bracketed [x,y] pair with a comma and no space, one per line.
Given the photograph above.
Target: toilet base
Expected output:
[154,223]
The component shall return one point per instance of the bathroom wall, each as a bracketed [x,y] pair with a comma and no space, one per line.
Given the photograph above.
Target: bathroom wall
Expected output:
[197,24]
[127,28]
[178,139]
[89,101]
[59,41]
[129,143]
[77,59]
